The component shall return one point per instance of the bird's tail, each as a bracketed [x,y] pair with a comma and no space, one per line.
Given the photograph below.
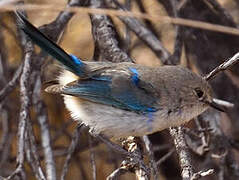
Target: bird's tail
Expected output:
[70,61]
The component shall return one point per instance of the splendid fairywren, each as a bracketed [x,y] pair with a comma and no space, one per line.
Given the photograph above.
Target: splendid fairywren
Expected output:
[123,99]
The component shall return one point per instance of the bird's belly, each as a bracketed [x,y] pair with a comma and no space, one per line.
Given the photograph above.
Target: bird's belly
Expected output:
[113,122]
[117,123]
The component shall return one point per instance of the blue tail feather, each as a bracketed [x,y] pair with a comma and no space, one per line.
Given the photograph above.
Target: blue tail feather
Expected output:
[70,61]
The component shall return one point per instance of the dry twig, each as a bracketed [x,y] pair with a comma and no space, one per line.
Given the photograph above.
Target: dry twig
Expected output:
[222,67]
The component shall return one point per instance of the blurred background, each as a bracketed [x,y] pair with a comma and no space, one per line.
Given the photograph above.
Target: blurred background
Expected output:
[200,50]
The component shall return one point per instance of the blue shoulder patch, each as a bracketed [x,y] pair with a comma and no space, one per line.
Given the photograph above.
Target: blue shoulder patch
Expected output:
[151,110]
[135,77]
[76,60]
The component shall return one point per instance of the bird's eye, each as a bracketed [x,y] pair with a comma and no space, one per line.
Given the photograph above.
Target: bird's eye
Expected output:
[199,93]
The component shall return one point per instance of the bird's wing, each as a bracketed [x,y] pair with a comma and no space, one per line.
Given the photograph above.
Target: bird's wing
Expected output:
[122,89]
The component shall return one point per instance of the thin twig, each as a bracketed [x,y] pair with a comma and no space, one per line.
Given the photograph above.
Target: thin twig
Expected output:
[201,174]
[92,158]
[117,173]
[153,17]
[222,67]
[148,23]
[9,87]
[152,161]
[31,153]
[113,146]
[143,33]
[127,35]
[178,44]
[71,150]
[165,157]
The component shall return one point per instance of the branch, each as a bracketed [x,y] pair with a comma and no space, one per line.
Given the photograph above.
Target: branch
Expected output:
[31,153]
[105,37]
[136,164]
[152,162]
[165,157]
[9,87]
[178,44]
[143,33]
[183,152]
[92,158]
[25,103]
[117,173]
[71,150]
[184,156]
[42,119]
[222,67]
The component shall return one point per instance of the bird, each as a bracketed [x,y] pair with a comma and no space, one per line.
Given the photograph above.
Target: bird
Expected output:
[124,99]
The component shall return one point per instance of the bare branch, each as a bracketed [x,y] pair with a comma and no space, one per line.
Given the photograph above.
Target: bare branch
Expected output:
[183,152]
[178,44]
[165,157]
[117,173]
[152,162]
[201,174]
[71,150]
[105,37]
[144,34]
[184,156]
[25,103]
[45,131]
[155,17]
[92,158]
[113,146]
[222,67]
[25,100]
[9,87]
[136,164]
[31,153]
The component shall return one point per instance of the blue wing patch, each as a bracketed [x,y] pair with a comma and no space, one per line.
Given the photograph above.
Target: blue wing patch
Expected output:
[135,77]
[99,89]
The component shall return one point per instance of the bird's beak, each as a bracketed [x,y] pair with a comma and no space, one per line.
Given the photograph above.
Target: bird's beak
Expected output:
[220,105]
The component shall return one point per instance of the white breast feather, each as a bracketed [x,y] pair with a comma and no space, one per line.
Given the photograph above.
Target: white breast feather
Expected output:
[72,103]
